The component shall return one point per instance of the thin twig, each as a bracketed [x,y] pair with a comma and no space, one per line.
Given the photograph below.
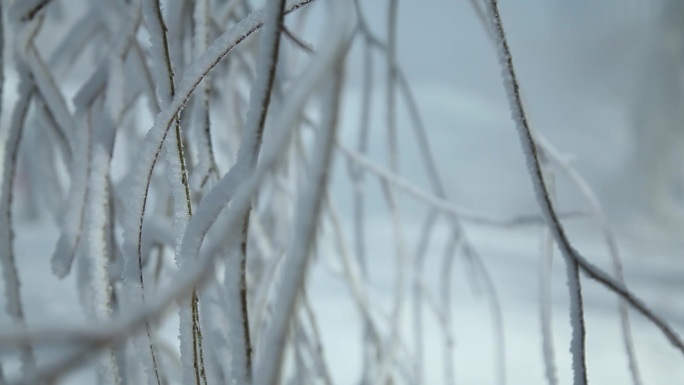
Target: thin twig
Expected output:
[543,198]
[531,152]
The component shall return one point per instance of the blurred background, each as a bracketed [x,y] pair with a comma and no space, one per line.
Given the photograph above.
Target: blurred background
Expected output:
[602,81]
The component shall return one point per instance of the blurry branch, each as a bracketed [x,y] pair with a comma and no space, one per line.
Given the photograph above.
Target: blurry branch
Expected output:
[545,309]
[396,75]
[306,47]
[27,88]
[81,33]
[435,201]
[294,266]
[51,94]
[479,7]
[14,305]
[2,62]
[26,10]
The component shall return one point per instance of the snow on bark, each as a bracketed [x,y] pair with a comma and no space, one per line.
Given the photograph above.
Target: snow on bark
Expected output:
[577,343]
[163,73]
[97,252]
[190,329]
[206,166]
[250,146]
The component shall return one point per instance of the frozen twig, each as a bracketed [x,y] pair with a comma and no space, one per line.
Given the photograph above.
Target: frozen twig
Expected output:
[572,256]
[207,160]
[591,198]
[190,327]
[577,345]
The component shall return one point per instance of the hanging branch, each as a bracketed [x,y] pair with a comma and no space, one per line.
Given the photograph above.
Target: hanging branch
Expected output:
[192,355]
[573,258]
[247,156]
[577,345]
[207,159]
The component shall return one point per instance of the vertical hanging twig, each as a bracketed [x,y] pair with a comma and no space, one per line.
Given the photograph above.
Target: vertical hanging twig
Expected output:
[260,99]
[207,161]
[540,187]
[417,278]
[178,175]
[97,208]
[392,204]
[357,175]
[446,273]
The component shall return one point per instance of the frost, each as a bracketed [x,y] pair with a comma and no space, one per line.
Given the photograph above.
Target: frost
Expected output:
[284,269]
[97,251]
[157,31]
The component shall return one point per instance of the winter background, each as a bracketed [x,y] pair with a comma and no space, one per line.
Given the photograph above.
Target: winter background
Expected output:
[602,81]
